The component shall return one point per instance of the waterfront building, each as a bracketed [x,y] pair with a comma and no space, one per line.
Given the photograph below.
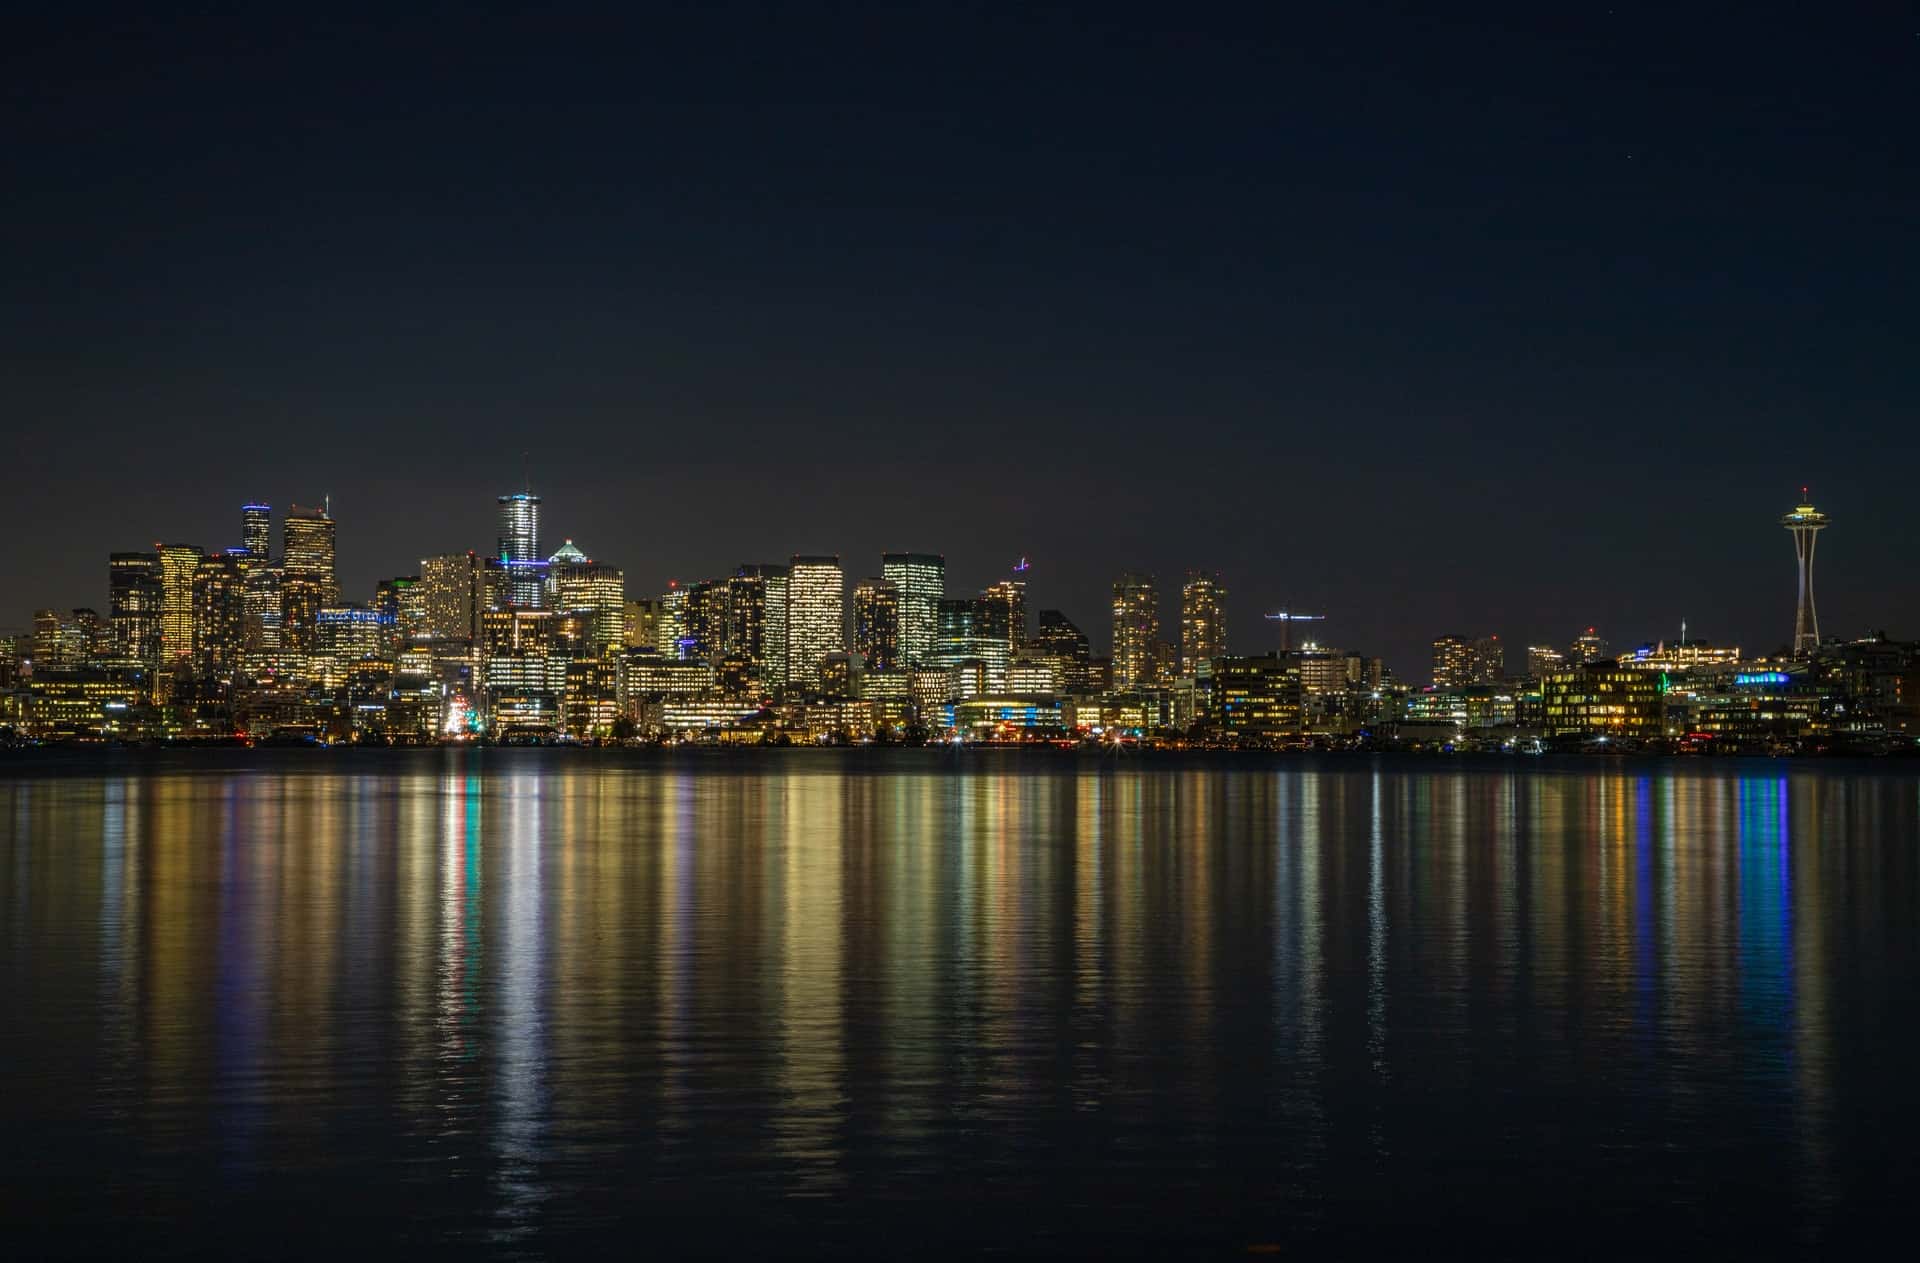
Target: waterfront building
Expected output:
[921,581]
[1682,655]
[1203,627]
[1256,699]
[591,701]
[816,616]
[876,623]
[1136,627]
[1601,699]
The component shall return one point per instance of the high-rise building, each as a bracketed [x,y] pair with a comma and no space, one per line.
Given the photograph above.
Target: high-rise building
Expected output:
[256,531]
[705,614]
[1203,627]
[517,546]
[672,623]
[452,596]
[1806,523]
[642,623]
[972,634]
[134,607]
[1055,634]
[921,581]
[876,623]
[220,613]
[1452,662]
[1136,625]
[177,565]
[1489,661]
[816,616]
[307,581]
[577,584]
[757,626]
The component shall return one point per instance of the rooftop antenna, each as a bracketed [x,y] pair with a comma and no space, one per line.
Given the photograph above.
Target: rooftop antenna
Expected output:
[1287,619]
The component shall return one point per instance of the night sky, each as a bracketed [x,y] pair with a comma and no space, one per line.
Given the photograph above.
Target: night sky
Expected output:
[1514,321]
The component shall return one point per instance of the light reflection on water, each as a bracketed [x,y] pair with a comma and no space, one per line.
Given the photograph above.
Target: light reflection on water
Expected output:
[514,1000]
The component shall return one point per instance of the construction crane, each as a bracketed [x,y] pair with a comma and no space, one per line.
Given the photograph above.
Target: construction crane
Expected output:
[1287,619]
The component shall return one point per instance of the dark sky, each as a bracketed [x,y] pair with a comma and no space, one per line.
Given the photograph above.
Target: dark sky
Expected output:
[1514,320]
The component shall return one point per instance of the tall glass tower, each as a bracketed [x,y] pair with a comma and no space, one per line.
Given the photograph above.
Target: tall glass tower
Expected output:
[256,526]
[921,581]
[816,617]
[518,548]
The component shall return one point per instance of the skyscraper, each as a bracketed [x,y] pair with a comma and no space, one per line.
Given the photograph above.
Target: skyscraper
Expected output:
[1489,660]
[453,596]
[1006,605]
[134,607]
[758,621]
[921,581]
[1452,662]
[1806,523]
[876,623]
[307,581]
[518,548]
[1057,635]
[256,531]
[220,613]
[577,584]
[1203,628]
[816,616]
[177,564]
[1136,625]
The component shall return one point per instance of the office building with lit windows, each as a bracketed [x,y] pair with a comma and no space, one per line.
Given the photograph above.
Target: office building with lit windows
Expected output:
[256,531]
[453,596]
[921,581]
[1452,662]
[307,579]
[876,623]
[134,608]
[517,547]
[757,621]
[1136,626]
[1203,627]
[178,562]
[1603,700]
[816,616]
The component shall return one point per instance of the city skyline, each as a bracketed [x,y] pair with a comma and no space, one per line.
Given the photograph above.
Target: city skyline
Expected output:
[519,515]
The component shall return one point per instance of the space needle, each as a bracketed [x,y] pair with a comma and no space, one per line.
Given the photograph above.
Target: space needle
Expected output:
[1806,523]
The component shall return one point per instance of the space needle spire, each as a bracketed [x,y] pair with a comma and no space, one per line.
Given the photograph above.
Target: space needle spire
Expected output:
[1806,523]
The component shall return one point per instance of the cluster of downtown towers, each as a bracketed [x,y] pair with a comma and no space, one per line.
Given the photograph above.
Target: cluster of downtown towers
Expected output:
[508,638]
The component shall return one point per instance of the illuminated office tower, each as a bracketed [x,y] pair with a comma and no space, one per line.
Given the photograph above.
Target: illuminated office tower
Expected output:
[265,609]
[1203,627]
[256,531]
[1452,662]
[577,584]
[518,548]
[1489,661]
[1136,625]
[921,580]
[671,625]
[452,596]
[816,616]
[1007,612]
[1806,523]
[177,564]
[307,582]
[704,616]
[134,607]
[757,629]
[876,623]
[52,649]
[220,613]
[401,602]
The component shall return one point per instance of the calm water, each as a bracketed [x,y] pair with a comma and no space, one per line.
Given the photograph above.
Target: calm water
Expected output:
[796,1003]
